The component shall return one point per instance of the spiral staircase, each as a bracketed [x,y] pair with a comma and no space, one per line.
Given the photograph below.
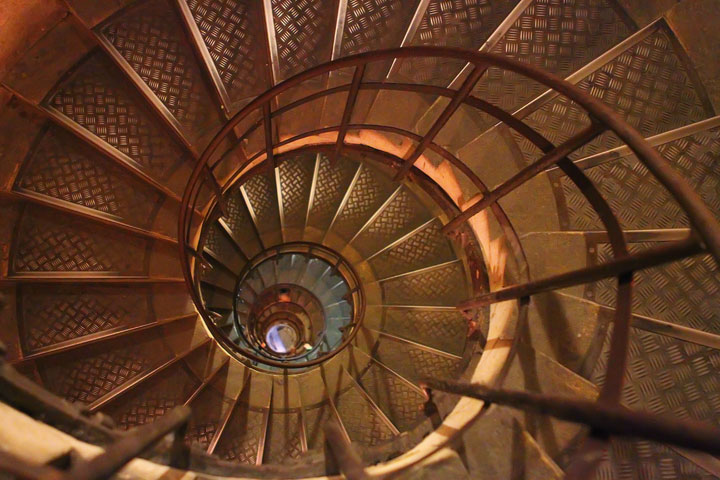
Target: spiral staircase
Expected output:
[200,210]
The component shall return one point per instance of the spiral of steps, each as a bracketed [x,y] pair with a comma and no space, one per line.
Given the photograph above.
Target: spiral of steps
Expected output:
[320,282]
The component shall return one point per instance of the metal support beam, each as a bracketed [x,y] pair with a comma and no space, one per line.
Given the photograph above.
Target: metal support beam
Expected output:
[217,190]
[347,113]
[267,123]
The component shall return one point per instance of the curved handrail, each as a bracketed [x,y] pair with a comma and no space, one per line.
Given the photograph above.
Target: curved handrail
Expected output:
[702,219]
[700,216]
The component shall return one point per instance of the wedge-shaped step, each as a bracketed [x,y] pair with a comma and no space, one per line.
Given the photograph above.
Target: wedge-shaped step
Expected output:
[222,261]
[251,288]
[233,34]
[284,442]
[542,248]
[239,224]
[59,318]
[331,288]
[567,329]
[369,191]
[286,431]
[209,408]
[374,26]
[635,458]
[52,317]
[62,168]
[260,195]
[88,374]
[532,371]
[663,375]
[682,292]
[498,446]
[267,273]
[461,25]
[634,85]
[150,37]
[331,184]
[243,438]
[221,250]
[423,247]
[218,276]
[441,329]
[629,188]
[400,215]
[558,38]
[214,403]
[217,298]
[156,397]
[316,417]
[408,359]
[313,273]
[362,420]
[441,285]
[291,268]
[495,158]
[295,182]
[50,242]
[113,112]
[400,400]
[295,53]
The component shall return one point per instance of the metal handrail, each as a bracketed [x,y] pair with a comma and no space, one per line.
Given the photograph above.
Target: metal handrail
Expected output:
[706,235]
